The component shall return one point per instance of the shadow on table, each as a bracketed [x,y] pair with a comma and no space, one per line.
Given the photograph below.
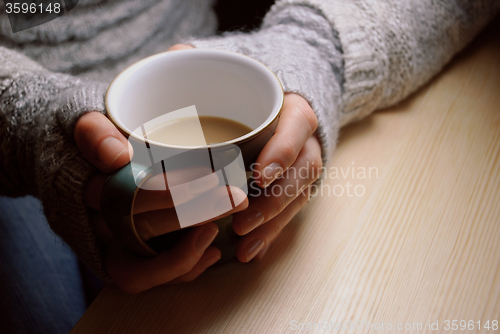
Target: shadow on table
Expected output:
[191,306]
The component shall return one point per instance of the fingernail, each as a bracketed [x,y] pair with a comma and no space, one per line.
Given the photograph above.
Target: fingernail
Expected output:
[205,183]
[270,173]
[238,197]
[109,150]
[205,239]
[253,248]
[250,220]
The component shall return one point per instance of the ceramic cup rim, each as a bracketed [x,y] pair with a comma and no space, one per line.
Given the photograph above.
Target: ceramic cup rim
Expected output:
[135,66]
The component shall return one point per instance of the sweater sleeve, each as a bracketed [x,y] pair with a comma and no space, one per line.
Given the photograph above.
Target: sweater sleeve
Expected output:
[38,154]
[378,51]
[393,47]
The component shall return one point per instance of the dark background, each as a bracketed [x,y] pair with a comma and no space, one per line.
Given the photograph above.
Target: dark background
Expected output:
[243,15]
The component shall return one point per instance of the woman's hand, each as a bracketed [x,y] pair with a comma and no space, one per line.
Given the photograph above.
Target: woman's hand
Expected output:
[289,163]
[154,213]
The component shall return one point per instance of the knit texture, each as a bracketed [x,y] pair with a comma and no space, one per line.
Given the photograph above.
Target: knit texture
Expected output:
[391,47]
[346,57]
[38,155]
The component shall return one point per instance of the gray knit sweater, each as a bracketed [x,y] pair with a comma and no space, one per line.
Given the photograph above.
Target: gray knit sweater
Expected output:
[346,57]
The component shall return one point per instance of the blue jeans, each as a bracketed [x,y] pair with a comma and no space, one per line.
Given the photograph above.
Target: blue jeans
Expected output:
[41,286]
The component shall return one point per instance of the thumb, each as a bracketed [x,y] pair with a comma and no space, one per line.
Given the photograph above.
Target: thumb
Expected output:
[180,47]
[101,143]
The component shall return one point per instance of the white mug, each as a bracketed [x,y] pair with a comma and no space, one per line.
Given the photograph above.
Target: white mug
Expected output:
[169,85]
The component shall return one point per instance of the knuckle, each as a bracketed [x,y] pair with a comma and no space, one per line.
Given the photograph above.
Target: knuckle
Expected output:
[83,121]
[308,114]
[275,230]
[88,121]
[278,203]
[181,266]
[287,150]
[315,167]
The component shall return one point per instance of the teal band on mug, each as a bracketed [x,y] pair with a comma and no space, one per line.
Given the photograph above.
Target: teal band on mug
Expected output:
[117,202]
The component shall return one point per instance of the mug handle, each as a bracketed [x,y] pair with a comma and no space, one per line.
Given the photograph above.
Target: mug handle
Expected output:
[117,202]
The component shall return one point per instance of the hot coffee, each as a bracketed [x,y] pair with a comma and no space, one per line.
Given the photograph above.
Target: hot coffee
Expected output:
[180,132]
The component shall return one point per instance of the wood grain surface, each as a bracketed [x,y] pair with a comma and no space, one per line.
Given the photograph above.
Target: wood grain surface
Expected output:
[417,243]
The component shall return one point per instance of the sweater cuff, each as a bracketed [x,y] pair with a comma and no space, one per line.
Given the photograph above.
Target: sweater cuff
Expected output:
[64,173]
[67,214]
[38,111]
[364,63]
[85,96]
[300,47]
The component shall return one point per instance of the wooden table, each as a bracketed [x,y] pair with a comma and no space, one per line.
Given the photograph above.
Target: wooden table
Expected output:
[415,242]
